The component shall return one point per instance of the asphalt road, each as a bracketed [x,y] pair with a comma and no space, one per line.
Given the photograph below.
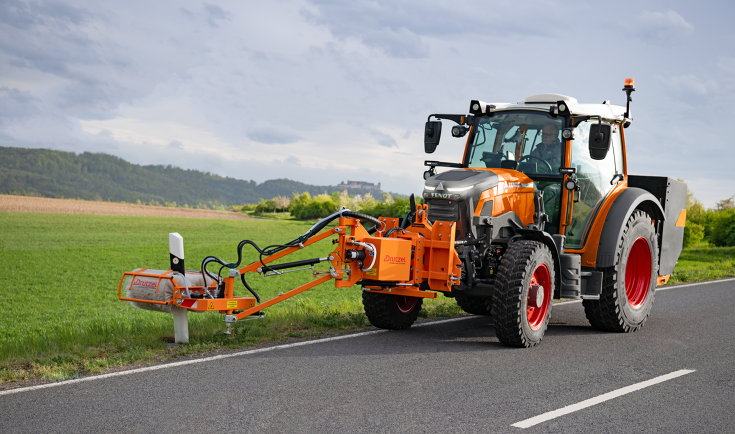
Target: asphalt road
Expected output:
[450,377]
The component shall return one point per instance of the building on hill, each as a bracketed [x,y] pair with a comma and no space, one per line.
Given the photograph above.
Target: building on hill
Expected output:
[361,184]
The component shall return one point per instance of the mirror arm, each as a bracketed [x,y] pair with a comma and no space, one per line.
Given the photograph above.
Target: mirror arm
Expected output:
[458,119]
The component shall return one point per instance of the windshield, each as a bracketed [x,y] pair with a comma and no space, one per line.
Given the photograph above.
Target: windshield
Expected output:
[522,140]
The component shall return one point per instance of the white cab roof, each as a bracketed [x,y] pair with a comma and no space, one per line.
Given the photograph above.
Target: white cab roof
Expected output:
[544,100]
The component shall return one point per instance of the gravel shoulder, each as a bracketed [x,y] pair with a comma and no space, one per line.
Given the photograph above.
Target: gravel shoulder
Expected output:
[25,204]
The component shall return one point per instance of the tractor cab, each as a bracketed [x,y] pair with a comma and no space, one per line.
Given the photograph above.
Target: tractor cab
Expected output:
[547,139]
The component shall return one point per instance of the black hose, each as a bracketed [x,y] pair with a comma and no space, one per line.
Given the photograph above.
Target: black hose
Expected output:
[275,248]
[255,294]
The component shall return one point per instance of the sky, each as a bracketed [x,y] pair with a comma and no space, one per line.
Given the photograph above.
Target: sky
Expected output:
[328,91]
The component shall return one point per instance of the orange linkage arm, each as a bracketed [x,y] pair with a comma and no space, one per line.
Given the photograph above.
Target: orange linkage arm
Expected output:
[398,264]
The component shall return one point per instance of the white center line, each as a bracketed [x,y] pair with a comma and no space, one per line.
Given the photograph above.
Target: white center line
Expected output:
[598,399]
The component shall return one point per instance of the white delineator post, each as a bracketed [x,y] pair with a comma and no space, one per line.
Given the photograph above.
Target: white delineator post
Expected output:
[181,319]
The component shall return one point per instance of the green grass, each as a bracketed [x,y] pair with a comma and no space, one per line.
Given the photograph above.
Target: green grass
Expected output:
[60,316]
[704,262]
[271,216]
[60,313]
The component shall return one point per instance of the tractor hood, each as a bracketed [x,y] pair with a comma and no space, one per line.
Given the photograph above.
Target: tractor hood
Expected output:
[459,184]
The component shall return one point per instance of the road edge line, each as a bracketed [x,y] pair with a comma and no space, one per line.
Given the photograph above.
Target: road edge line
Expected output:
[280,347]
[213,358]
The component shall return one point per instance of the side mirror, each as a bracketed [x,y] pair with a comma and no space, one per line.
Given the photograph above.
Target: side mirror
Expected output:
[600,138]
[432,133]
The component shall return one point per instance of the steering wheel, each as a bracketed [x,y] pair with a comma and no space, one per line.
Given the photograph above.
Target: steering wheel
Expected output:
[537,158]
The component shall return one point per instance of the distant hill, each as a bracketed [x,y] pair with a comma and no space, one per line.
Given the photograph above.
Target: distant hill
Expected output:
[90,176]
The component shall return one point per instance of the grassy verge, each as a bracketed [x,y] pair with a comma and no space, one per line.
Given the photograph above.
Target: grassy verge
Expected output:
[704,262]
[61,317]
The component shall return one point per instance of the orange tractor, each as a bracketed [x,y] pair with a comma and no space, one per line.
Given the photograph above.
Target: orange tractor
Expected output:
[540,207]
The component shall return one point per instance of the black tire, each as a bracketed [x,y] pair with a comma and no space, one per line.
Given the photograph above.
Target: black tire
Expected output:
[617,310]
[391,312]
[475,305]
[518,323]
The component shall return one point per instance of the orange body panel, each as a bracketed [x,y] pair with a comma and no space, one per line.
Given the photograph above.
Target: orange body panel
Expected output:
[514,192]
[682,220]
[394,261]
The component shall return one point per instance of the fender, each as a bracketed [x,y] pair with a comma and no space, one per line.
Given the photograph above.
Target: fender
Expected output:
[628,200]
[546,239]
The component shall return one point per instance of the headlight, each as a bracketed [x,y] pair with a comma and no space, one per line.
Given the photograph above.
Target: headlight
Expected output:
[460,188]
[459,131]
[426,187]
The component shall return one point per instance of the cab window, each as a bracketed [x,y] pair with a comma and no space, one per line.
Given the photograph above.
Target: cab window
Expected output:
[595,179]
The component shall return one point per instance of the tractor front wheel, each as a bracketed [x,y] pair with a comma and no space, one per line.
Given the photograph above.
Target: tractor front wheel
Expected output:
[392,312]
[524,286]
[628,287]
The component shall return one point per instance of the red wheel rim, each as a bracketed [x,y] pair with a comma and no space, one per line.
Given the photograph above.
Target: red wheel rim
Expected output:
[537,314]
[406,304]
[638,273]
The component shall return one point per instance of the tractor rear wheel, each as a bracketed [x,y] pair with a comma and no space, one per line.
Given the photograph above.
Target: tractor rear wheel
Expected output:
[475,305]
[392,312]
[524,286]
[628,287]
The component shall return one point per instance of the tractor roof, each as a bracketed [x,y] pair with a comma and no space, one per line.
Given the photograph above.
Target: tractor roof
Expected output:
[544,100]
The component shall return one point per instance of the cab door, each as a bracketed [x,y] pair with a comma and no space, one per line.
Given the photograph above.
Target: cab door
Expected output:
[596,178]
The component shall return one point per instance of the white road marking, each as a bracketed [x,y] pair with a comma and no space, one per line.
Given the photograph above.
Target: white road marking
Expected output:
[664,288]
[212,358]
[278,347]
[598,399]
[686,285]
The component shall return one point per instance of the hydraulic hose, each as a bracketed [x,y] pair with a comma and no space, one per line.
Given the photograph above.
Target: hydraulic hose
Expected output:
[275,248]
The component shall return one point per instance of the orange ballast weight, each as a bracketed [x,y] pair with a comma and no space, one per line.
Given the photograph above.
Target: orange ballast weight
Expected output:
[414,261]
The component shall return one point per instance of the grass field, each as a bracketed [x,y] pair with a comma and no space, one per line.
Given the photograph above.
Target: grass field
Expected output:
[704,262]
[61,317]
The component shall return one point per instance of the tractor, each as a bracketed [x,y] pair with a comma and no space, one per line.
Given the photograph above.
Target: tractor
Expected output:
[545,207]
[541,207]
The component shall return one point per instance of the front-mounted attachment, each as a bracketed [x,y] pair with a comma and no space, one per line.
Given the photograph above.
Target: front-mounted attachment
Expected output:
[409,258]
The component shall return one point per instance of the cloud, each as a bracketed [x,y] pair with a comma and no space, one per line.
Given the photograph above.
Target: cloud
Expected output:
[273,134]
[175,145]
[662,27]
[686,87]
[383,139]
[216,14]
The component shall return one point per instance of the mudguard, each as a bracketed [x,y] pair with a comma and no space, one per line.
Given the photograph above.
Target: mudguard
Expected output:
[629,200]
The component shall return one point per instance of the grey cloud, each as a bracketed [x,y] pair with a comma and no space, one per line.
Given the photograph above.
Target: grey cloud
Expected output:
[662,27]
[273,135]
[22,15]
[383,139]
[175,145]
[399,29]
[213,14]
[293,160]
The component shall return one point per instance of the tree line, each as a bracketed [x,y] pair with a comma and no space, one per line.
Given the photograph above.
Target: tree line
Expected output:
[715,225]
[102,177]
[305,207]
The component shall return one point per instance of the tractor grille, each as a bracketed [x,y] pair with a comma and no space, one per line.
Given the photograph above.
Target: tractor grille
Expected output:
[446,213]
